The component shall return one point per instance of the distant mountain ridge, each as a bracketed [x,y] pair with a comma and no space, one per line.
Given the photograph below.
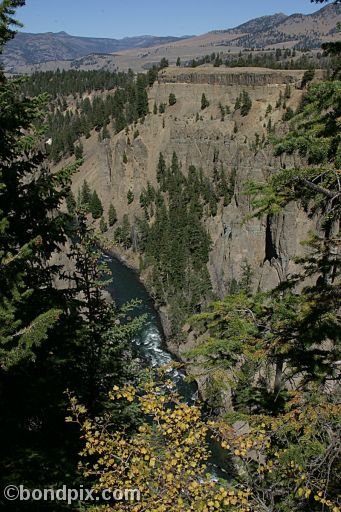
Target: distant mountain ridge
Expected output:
[27,48]
[298,30]
[31,52]
[256,24]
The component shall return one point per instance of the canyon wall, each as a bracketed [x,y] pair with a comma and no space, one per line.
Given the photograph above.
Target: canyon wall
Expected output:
[202,138]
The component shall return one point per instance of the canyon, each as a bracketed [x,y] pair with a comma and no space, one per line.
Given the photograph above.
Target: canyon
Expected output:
[127,162]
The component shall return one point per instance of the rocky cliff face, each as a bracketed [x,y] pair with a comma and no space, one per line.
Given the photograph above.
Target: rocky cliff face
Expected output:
[202,138]
[246,77]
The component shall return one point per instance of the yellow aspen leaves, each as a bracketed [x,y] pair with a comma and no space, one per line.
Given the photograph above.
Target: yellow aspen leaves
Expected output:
[166,458]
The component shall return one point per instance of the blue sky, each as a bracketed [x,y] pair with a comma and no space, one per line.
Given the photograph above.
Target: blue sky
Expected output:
[120,18]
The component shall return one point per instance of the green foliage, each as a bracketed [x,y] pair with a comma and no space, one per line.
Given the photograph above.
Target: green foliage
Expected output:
[243,103]
[123,233]
[141,96]
[204,102]
[79,151]
[162,108]
[8,23]
[172,99]
[46,335]
[307,77]
[288,114]
[85,196]
[105,133]
[31,227]
[112,215]
[314,134]
[126,103]
[95,206]
[175,243]
[268,109]
[314,131]
[296,58]
[163,63]
[71,203]
[224,110]
[130,196]
[251,333]
[295,468]
[103,225]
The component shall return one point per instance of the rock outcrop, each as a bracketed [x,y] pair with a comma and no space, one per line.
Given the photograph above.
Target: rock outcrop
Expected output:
[246,77]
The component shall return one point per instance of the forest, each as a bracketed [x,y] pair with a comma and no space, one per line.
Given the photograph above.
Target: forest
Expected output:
[78,408]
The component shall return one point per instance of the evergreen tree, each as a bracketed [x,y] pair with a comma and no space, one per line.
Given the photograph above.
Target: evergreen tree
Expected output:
[246,103]
[105,133]
[30,229]
[141,96]
[126,232]
[162,108]
[86,195]
[95,206]
[204,102]
[172,99]
[112,215]
[71,203]
[161,170]
[130,196]
[103,225]
[175,243]
[79,151]
[163,63]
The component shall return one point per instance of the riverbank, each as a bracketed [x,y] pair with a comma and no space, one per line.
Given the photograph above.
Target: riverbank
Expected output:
[131,260]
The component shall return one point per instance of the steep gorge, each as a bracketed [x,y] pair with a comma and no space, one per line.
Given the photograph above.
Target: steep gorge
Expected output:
[201,138]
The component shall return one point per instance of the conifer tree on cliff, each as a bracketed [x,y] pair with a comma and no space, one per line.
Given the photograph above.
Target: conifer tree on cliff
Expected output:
[31,229]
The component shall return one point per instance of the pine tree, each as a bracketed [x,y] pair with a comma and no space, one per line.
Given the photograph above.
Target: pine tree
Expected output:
[71,203]
[126,232]
[31,227]
[161,170]
[86,195]
[112,215]
[163,63]
[79,151]
[95,206]
[172,99]
[246,103]
[314,134]
[141,96]
[103,225]
[204,102]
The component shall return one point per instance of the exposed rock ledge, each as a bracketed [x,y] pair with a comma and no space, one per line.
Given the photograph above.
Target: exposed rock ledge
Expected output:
[232,76]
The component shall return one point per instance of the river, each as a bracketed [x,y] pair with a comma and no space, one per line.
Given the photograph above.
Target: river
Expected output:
[150,344]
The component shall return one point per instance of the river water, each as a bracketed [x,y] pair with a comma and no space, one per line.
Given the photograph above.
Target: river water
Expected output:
[151,345]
